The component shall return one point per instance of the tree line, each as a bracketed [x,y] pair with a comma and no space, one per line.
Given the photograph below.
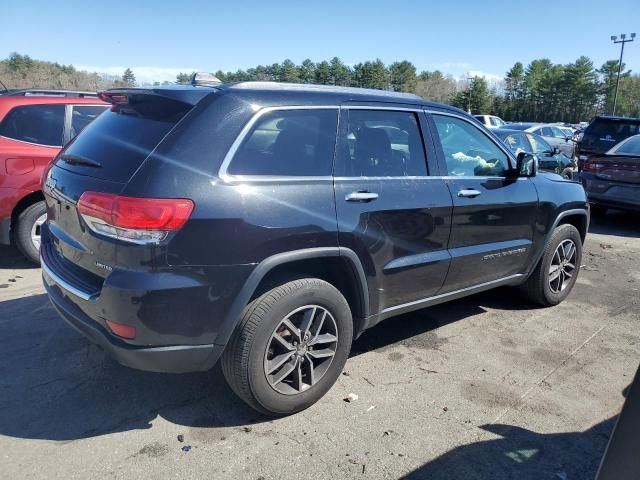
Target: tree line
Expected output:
[542,91]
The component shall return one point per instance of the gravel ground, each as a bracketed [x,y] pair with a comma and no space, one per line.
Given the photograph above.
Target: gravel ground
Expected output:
[484,387]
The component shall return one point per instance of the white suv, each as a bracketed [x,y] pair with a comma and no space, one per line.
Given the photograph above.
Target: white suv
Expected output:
[490,121]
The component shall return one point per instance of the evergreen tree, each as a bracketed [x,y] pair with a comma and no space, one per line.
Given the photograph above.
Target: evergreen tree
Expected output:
[403,76]
[129,78]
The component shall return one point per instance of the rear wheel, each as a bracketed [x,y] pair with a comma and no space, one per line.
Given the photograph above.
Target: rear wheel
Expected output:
[27,232]
[556,273]
[290,346]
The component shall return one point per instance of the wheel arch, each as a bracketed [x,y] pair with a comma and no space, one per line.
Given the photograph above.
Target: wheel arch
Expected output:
[25,202]
[336,265]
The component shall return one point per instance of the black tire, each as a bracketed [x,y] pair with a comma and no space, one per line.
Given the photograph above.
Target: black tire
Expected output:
[243,361]
[537,287]
[22,233]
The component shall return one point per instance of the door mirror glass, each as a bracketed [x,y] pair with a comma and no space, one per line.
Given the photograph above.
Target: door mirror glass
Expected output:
[526,165]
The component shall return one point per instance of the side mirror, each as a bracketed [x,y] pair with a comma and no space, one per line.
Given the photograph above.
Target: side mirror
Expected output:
[526,165]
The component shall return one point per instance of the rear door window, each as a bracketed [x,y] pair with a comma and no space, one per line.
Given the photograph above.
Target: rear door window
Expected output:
[382,143]
[288,143]
[40,124]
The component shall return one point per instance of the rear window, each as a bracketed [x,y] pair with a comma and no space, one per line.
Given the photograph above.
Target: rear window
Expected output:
[603,134]
[120,142]
[630,147]
[289,143]
[41,124]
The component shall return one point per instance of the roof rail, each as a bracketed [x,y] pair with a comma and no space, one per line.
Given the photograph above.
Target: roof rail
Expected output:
[34,92]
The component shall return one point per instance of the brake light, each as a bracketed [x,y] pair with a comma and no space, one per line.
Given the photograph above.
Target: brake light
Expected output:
[137,220]
[113,98]
[593,167]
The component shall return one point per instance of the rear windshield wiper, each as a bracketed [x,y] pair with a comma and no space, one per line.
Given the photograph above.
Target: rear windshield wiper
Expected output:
[78,160]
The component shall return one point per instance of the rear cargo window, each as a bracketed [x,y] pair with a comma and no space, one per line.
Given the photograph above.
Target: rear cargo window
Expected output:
[41,124]
[118,142]
[602,135]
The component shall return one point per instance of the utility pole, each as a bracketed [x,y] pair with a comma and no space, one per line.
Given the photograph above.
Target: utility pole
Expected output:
[470,79]
[622,41]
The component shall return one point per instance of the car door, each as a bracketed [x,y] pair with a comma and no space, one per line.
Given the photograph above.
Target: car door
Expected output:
[564,144]
[494,214]
[390,211]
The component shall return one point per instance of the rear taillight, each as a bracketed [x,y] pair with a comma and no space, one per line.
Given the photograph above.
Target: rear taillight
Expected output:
[593,167]
[136,220]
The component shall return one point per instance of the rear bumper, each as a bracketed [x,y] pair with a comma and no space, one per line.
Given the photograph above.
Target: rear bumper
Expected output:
[169,359]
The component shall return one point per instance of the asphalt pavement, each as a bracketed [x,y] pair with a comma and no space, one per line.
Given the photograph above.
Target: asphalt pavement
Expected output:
[487,387]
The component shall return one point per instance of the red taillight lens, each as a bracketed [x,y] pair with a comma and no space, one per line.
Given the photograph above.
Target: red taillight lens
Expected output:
[592,167]
[122,330]
[137,213]
[138,220]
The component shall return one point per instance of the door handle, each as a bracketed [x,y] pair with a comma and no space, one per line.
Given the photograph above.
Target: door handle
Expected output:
[469,193]
[361,197]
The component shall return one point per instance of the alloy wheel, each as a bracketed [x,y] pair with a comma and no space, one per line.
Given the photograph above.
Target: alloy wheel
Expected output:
[563,266]
[301,349]
[35,230]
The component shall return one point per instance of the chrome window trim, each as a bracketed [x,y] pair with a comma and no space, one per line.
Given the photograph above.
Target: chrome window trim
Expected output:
[501,147]
[387,108]
[228,158]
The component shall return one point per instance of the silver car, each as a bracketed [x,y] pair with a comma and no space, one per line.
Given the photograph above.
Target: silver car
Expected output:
[552,134]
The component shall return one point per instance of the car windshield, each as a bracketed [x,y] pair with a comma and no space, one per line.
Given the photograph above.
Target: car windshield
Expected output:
[538,144]
[630,146]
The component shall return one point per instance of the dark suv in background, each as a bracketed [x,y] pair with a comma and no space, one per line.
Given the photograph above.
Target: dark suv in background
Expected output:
[267,225]
[602,134]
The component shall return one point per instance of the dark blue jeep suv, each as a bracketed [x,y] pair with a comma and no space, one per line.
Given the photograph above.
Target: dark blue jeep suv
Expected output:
[267,225]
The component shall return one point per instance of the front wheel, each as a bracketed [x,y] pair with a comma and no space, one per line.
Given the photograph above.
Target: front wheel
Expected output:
[290,346]
[557,272]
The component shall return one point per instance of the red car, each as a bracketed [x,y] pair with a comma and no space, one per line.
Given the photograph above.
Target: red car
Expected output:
[33,129]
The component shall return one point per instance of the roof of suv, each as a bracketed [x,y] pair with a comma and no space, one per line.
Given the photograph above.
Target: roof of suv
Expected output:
[616,118]
[276,93]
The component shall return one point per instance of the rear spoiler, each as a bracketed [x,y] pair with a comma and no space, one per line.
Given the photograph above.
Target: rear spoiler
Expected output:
[188,95]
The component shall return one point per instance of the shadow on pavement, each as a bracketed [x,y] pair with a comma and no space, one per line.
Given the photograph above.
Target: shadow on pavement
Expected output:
[10,257]
[56,385]
[617,223]
[415,329]
[522,454]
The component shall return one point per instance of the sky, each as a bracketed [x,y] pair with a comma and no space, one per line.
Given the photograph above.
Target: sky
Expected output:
[157,39]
